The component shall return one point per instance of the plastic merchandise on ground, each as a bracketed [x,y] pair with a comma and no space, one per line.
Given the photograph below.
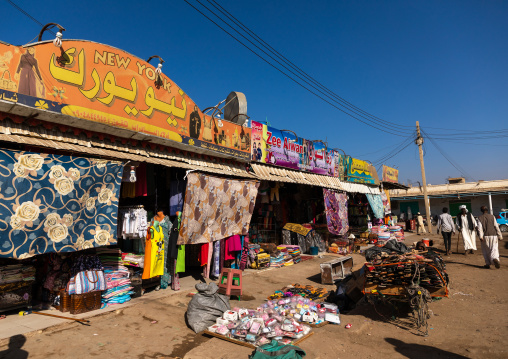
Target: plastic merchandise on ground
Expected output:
[206,306]
[283,320]
[274,350]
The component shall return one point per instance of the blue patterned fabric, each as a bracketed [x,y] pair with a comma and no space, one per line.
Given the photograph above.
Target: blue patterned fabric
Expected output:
[54,203]
[376,203]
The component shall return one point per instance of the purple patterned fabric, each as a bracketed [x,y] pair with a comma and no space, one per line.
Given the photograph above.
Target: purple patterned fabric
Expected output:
[336,212]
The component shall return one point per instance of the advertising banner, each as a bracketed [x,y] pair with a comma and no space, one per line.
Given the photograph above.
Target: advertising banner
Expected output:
[284,149]
[359,171]
[390,174]
[99,83]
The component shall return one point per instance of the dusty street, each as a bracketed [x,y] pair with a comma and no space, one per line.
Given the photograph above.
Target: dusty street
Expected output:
[471,323]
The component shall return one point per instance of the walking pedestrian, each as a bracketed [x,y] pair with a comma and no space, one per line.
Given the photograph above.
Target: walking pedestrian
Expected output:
[420,227]
[446,226]
[489,235]
[466,225]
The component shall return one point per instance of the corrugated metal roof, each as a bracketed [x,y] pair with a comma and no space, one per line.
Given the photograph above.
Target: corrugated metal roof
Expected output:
[23,134]
[278,174]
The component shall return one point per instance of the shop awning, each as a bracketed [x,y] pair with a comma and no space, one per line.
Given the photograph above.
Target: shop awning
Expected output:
[277,174]
[54,139]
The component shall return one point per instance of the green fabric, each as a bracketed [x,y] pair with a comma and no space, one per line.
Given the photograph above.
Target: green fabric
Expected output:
[180,260]
[274,350]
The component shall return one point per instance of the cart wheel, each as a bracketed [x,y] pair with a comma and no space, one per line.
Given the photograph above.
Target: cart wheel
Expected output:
[158,288]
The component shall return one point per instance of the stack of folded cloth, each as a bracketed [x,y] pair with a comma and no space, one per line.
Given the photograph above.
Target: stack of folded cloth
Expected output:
[397,232]
[117,277]
[133,260]
[383,236]
[295,252]
[17,273]
[277,260]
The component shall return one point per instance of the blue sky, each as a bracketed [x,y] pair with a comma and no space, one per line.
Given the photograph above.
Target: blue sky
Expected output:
[442,63]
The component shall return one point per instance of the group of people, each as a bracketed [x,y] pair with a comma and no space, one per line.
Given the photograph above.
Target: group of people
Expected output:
[485,226]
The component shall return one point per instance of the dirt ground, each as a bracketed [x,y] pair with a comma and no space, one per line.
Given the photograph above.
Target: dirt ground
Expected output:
[471,323]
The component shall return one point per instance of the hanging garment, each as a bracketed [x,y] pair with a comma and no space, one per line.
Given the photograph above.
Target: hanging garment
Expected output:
[175,278]
[172,246]
[180,260]
[141,190]
[166,230]
[245,254]
[336,212]
[156,238]
[128,189]
[216,208]
[176,194]
[203,254]
[216,259]
[376,203]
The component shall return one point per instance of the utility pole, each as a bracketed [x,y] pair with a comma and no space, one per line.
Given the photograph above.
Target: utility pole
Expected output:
[419,142]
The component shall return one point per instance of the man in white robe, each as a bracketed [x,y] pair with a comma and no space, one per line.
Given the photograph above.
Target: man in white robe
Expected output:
[420,227]
[489,235]
[466,225]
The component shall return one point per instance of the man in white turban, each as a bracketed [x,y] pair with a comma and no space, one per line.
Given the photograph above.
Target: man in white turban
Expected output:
[466,225]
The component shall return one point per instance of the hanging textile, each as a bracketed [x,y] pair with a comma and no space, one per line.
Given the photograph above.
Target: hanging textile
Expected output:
[336,212]
[154,253]
[53,203]
[176,192]
[216,208]
[216,259]
[376,203]
[166,229]
[386,202]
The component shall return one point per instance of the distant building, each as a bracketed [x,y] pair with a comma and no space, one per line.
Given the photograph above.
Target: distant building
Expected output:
[493,194]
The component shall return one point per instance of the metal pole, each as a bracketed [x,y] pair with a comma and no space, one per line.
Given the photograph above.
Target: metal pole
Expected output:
[419,142]
[490,204]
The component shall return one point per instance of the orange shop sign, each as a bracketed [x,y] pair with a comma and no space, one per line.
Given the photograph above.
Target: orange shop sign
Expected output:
[102,84]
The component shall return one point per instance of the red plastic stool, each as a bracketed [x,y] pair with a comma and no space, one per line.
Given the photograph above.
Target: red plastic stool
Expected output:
[230,282]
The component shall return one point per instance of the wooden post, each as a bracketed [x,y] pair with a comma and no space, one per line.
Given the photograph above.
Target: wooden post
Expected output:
[419,142]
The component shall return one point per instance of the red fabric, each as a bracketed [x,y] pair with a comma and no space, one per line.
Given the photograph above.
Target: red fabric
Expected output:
[203,255]
[141,190]
[233,244]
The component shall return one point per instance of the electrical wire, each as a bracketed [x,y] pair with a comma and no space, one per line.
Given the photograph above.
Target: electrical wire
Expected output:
[309,80]
[456,166]
[395,151]
[374,125]
[296,68]
[28,15]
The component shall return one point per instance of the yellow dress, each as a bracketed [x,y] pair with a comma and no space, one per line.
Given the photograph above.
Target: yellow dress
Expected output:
[154,265]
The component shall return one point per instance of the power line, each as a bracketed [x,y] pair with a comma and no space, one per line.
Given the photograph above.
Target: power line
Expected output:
[375,125]
[28,15]
[292,65]
[456,166]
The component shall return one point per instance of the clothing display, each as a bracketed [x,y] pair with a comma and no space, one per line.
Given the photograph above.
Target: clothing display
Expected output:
[132,222]
[177,192]
[376,203]
[154,252]
[166,225]
[336,212]
[216,208]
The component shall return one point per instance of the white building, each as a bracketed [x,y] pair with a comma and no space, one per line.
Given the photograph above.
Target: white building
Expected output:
[493,194]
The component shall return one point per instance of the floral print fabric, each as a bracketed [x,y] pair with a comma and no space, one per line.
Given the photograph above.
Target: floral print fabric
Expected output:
[54,203]
[336,212]
[376,203]
[216,208]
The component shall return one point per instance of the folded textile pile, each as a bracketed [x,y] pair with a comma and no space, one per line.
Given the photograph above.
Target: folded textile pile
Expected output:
[397,232]
[308,291]
[133,260]
[117,277]
[277,260]
[17,273]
